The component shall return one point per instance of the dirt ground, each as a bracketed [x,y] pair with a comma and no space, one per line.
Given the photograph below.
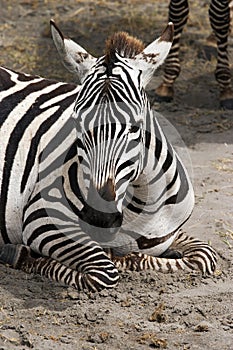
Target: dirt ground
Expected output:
[147,310]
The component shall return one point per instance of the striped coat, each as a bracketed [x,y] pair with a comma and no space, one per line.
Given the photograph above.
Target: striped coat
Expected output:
[89,182]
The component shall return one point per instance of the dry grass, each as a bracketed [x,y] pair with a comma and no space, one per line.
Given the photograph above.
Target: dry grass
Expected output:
[225,232]
[224,164]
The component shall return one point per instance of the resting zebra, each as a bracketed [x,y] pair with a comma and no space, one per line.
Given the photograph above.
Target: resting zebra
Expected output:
[219,15]
[89,182]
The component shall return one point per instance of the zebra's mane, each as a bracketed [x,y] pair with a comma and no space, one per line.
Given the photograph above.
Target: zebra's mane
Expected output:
[124,44]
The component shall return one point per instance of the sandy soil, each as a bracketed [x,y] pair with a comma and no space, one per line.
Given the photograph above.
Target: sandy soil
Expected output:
[146,310]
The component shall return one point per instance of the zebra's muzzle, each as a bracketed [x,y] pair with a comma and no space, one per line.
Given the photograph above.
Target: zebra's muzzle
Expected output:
[100,226]
[99,216]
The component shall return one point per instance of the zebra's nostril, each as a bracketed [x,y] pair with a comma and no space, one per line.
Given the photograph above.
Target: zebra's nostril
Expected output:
[101,200]
[107,192]
[103,196]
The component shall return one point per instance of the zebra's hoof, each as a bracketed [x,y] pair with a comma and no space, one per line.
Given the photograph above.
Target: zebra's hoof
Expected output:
[226,99]
[164,93]
[227,104]
[13,255]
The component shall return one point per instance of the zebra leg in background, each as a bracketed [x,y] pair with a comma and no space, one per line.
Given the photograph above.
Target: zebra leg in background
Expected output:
[178,14]
[219,14]
[231,15]
[188,254]
[91,277]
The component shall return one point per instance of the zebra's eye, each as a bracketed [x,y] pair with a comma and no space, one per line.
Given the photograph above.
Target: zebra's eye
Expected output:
[133,128]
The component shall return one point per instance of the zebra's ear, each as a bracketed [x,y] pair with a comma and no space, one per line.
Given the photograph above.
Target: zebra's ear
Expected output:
[74,57]
[154,54]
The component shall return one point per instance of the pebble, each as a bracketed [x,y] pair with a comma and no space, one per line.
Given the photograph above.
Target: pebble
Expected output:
[98,338]
[202,327]
[73,295]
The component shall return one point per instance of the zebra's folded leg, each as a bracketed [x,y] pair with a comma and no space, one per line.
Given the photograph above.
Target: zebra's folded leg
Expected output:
[171,254]
[14,254]
[186,253]
[197,254]
[139,262]
[92,278]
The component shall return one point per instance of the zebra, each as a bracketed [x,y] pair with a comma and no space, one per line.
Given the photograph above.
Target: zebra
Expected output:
[220,12]
[90,185]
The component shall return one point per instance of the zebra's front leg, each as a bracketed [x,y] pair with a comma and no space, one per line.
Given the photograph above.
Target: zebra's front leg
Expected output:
[92,277]
[186,253]
[219,14]
[178,14]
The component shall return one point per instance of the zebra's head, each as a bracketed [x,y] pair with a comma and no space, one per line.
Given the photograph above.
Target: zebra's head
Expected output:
[111,113]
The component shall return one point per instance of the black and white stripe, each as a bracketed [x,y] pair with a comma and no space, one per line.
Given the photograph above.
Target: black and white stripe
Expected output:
[219,15]
[89,182]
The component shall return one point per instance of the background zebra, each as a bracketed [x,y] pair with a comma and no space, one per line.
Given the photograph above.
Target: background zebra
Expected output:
[219,15]
[92,185]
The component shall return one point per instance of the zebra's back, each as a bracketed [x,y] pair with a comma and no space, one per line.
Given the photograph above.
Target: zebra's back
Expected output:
[30,107]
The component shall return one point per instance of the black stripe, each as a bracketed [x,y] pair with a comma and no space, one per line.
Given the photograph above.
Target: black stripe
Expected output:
[80,246]
[5,80]
[43,213]
[184,187]
[88,257]
[11,101]
[44,127]
[26,77]
[134,209]
[158,142]
[62,245]
[166,165]
[50,238]
[73,172]
[146,243]
[59,161]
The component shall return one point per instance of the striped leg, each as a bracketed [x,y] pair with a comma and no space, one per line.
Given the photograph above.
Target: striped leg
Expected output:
[219,14]
[231,15]
[92,277]
[189,254]
[178,14]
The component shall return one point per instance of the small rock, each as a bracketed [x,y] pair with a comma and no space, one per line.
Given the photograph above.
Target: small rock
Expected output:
[104,336]
[95,338]
[158,315]
[73,295]
[152,340]
[202,327]
[27,342]
[126,303]
[92,316]
[104,293]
